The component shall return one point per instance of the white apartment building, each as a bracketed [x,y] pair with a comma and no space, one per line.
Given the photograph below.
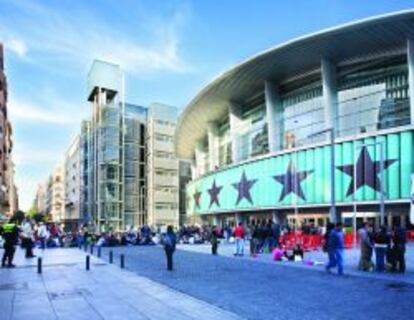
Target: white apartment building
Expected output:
[71,211]
[40,200]
[162,166]
[55,194]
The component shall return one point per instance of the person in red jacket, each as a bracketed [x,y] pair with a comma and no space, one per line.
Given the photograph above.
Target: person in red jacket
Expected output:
[239,234]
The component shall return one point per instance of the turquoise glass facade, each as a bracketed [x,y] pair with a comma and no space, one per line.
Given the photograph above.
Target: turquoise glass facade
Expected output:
[312,169]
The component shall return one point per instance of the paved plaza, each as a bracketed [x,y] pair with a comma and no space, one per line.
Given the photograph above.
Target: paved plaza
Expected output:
[202,286]
[65,290]
[257,290]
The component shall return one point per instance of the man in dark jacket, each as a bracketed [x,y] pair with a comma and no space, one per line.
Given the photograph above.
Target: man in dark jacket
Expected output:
[336,249]
[10,234]
[382,242]
[398,248]
[214,240]
[170,240]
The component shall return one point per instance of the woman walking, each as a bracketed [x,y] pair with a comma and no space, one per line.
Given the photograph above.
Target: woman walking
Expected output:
[170,240]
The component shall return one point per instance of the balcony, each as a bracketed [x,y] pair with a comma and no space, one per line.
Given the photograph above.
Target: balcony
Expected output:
[164,129]
[162,180]
[162,196]
[163,146]
[165,163]
[168,214]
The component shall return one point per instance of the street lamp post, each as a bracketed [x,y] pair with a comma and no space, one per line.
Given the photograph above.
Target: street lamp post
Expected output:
[382,192]
[296,198]
[331,131]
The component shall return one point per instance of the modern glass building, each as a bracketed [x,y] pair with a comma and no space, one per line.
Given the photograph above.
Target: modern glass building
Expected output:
[259,135]
[129,172]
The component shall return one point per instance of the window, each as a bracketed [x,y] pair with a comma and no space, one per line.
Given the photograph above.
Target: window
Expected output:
[373,95]
[163,137]
[110,173]
[303,115]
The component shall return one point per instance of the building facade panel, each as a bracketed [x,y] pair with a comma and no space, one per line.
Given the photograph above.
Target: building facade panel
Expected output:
[263,190]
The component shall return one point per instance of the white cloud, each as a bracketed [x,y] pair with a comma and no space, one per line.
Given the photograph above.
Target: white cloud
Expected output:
[29,156]
[16,45]
[26,111]
[78,38]
[33,163]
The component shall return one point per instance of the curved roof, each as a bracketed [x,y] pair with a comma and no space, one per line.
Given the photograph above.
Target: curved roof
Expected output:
[374,35]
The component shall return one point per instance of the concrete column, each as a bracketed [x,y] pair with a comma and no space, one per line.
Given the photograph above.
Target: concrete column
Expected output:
[389,218]
[213,145]
[194,173]
[410,62]
[239,218]
[330,94]
[235,123]
[274,116]
[278,217]
[216,220]
[275,217]
[403,220]
[199,158]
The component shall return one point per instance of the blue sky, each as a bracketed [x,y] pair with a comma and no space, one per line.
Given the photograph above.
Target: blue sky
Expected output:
[168,50]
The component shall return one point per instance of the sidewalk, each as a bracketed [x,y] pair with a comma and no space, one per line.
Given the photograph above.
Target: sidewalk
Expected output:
[351,261]
[65,290]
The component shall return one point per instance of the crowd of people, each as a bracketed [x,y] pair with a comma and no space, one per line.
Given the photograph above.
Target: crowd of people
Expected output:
[387,245]
[29,235]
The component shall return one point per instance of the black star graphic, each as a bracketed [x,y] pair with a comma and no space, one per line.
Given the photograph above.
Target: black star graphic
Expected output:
[243,187]
[214,192]
[197,196]
[291,181]
[366,172]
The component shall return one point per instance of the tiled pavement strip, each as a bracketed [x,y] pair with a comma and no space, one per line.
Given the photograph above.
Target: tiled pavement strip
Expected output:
[65,290]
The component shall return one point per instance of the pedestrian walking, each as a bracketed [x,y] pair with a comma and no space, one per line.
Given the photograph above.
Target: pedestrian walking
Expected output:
[254,241]
[239,234]
[382,243]
[365,261]
[335,249]
[275,235]
[27,238]
[10,234]
[399,240]
[42,233]
[214,240]
[169,241]
[268,238]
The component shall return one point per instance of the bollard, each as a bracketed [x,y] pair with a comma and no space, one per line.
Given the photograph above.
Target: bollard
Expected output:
[39,265]
[85,247]
[111,257]
[91,249]
[99,252]
[88,262]
[122,261]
